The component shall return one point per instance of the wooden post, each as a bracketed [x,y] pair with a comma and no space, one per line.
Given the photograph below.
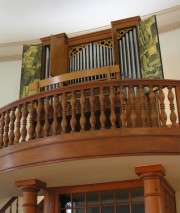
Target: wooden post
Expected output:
[153,194]
[49,200]
[30,189]
[178,102]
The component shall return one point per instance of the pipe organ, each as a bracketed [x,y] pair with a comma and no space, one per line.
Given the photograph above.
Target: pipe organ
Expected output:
[62,54]
[117,45]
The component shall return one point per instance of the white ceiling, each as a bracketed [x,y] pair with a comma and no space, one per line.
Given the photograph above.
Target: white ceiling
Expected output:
[23,20]
[89,171]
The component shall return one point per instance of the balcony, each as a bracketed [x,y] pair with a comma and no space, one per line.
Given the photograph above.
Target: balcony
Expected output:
[102,118]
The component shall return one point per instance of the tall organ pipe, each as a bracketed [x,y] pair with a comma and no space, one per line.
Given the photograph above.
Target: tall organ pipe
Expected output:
[91,56]
[128,55]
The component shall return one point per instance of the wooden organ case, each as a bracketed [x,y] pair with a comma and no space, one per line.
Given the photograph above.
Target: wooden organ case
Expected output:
[117,45]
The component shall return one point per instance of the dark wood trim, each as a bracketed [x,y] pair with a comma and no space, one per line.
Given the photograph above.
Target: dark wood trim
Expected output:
[90,37]
[92,144]
[32,182]
[100,186]
[7,205]
[81,39]
[149,169]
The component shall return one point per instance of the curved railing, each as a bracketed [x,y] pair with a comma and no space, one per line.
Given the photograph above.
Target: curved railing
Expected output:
[91,106]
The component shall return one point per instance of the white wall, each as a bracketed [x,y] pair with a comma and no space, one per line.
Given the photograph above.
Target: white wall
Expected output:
[170,51]
[10,74]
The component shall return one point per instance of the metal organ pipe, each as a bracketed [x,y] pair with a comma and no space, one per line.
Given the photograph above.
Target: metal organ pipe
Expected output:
[132,53]
[91,56]
[125,70]
[47,65]
[128,55]
[136,53]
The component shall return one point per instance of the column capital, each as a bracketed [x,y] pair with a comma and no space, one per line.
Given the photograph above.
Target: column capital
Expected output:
[32,183]
[30,189]
[152,170]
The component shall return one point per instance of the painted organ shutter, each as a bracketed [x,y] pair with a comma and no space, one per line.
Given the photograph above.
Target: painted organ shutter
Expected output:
[149,49]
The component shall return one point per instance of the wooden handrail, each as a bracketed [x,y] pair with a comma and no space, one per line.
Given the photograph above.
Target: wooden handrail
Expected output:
[94,84]
[107,71]
[91,106]
[8,204]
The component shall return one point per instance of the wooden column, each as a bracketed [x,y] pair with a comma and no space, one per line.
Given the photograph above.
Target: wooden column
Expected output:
[30,189]
[49,200]
[153,194]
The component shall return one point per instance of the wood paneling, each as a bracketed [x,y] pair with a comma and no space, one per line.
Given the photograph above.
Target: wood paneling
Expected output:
[92,144]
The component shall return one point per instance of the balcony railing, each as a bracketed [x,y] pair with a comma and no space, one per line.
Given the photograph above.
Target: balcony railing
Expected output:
[91,106]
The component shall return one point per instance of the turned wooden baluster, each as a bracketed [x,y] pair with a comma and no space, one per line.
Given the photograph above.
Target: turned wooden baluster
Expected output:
[6,129]
[18,124]
[46,124]
[17,205]
[31,128]
[173,116]
[55,115]
[73,120]
[39,118]
[132,105]
[10,210]
[123,116]
[177,92]
[102,103]
[2,124]
[68,108]
[24,122]
[154,117]
[64,113]
[12,120]
[83,117]
[51,115]
[92,102]
[112,106]
[143,106]
[163,115]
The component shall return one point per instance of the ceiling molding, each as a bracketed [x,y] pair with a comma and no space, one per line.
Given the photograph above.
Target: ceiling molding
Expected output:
[10,58]
[169,28]
[163,12]
[20,43]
